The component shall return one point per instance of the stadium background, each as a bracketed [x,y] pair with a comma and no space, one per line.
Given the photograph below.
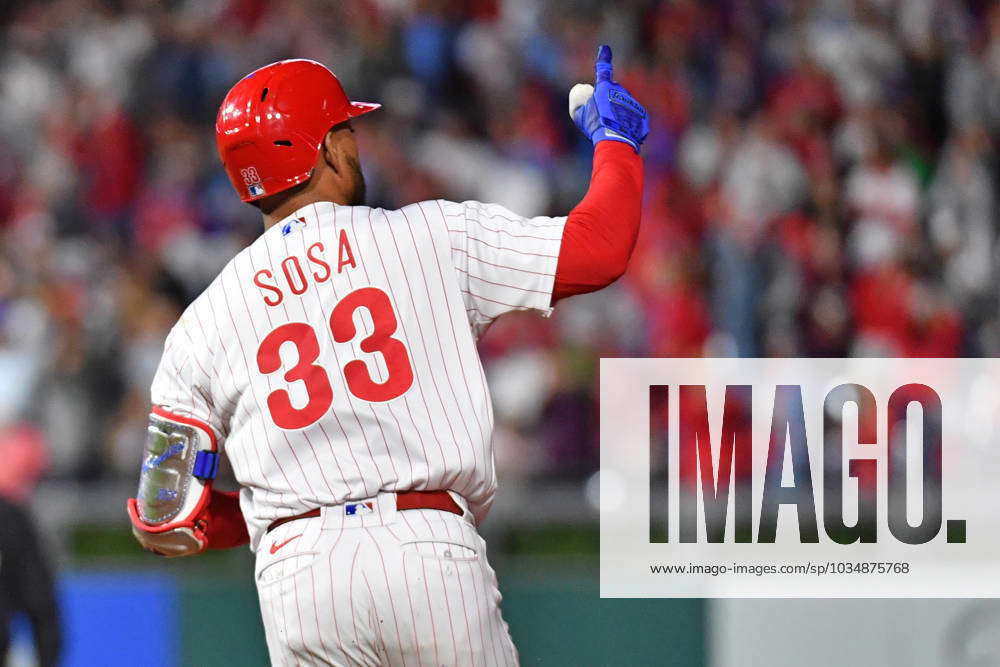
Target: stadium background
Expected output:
[820,181]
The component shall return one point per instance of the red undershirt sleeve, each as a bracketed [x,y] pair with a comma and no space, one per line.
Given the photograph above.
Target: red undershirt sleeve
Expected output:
[600,232]
[225,526]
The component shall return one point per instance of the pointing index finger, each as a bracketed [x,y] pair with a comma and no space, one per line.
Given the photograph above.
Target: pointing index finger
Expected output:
[602,67]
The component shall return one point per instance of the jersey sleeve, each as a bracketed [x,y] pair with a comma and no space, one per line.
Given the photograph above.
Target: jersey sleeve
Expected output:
[504,261]
[182,384]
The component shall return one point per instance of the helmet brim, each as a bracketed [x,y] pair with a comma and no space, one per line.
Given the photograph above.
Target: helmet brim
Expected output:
[361,108]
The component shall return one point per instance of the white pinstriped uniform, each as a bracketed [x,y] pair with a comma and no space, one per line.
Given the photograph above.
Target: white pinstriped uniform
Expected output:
[390,591]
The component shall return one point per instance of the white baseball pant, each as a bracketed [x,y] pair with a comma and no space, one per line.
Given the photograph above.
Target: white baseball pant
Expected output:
[370,585]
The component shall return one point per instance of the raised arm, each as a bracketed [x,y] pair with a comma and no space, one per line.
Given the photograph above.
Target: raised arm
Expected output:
[601,230]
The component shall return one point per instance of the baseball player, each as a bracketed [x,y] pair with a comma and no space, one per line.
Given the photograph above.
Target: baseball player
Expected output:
[334,361]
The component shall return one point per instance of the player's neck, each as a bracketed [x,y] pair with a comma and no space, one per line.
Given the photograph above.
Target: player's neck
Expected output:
[275,210]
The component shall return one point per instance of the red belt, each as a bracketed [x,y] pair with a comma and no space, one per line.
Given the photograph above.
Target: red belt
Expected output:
[405,500]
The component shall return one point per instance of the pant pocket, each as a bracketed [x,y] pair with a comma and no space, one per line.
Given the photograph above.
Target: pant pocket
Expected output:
[283,568]
[287,551]
[441,550]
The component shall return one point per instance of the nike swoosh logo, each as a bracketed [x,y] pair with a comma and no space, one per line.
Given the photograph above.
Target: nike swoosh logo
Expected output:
[275,546]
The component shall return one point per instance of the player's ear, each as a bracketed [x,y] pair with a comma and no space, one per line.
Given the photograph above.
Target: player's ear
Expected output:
[335,147]
[332,153]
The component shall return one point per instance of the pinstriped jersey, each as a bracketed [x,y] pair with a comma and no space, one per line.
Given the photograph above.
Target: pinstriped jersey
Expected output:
[335,357]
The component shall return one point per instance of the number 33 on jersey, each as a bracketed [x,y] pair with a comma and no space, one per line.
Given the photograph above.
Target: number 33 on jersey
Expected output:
[356,373]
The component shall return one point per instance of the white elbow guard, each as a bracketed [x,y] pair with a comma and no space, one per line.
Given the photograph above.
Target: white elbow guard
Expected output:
[180,462]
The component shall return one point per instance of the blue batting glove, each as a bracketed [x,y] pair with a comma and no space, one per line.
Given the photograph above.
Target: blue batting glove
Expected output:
[606,110]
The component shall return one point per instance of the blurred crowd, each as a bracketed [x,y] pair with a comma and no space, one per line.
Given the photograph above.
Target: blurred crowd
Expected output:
[820,181]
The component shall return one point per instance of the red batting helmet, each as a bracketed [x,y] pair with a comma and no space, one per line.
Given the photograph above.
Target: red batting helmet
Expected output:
[273,121]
